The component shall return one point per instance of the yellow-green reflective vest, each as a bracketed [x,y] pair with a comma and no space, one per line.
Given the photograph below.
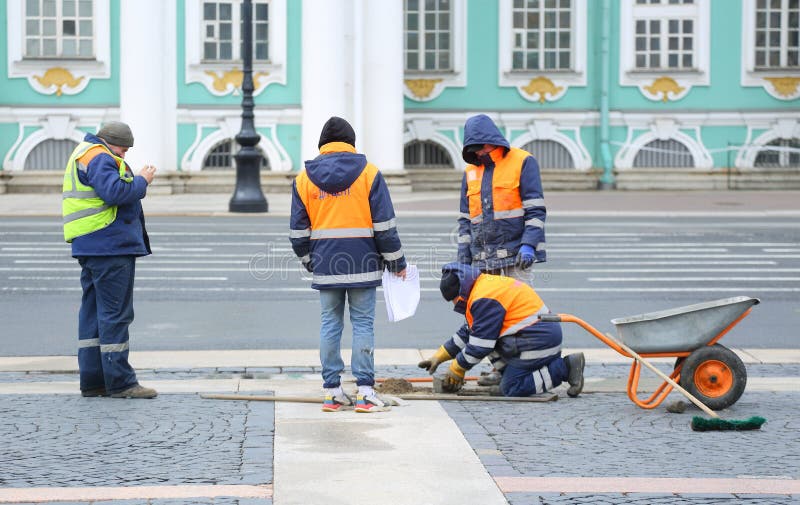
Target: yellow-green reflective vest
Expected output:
[82,210]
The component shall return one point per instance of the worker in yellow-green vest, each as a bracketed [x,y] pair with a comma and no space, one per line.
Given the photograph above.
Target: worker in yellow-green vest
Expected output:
[104,222]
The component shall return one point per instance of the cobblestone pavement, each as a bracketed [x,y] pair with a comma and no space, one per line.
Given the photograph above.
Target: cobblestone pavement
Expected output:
[69,441]
[606,435]
[181,439]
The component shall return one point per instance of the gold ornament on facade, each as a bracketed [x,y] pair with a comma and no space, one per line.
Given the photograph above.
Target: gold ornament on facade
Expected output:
[58,77]
[233,78]
[665,86]
[422,88]
[542,86]
[784,86]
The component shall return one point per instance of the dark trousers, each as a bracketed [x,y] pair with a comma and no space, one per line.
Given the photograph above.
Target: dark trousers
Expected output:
[105,314]
[537,378]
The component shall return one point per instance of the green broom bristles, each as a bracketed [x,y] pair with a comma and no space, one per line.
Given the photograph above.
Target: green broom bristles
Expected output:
[716,424]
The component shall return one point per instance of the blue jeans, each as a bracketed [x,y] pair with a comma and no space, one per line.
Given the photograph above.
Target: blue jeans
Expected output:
[105,314]
[362,317]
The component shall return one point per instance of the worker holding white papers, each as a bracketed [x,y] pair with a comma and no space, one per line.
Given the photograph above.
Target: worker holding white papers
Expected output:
[401,295]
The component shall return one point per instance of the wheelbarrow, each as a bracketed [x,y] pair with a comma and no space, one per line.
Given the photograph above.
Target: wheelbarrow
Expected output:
[708,370]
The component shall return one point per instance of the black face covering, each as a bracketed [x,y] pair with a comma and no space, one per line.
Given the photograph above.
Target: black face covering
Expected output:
[468,153]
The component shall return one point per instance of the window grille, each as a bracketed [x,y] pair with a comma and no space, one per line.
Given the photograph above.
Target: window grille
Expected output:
[786,156]
[426,154]
[665,41]
[59,29]
[664,154]
[428,35]
[50,154]
[550,154]
[222,29]
[221,156]
[777,33]
[542,35]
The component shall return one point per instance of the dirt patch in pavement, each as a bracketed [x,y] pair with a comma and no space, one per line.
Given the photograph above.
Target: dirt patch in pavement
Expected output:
[395,387]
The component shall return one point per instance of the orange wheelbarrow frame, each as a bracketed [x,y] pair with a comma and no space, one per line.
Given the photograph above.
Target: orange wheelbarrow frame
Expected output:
[665,388]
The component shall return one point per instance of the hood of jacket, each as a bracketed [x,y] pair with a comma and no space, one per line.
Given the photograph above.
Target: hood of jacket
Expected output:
[467,275]
[481,129]
[336,168]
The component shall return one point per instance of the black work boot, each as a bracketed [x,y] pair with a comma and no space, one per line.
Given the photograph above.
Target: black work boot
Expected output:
[575,363]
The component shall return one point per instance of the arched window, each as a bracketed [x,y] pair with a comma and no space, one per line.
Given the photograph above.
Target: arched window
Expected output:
[664,154]
[221,156]
[50,154]
[787,154]
[426,154]
[550,154]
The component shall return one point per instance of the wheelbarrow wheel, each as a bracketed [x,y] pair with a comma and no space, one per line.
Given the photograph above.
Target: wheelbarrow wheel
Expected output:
[715,375]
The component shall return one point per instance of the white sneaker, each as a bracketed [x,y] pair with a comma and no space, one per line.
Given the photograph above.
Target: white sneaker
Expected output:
[336,401]
[371,402]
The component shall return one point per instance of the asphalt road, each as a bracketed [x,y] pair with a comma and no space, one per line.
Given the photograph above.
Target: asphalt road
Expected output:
[234,283]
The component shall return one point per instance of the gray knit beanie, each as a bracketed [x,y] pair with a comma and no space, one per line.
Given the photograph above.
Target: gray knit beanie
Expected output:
[116,133]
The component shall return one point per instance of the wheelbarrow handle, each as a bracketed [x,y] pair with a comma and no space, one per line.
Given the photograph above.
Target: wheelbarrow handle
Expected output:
[550,318]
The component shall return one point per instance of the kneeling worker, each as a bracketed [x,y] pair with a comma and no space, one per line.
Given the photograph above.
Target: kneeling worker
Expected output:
[503,324]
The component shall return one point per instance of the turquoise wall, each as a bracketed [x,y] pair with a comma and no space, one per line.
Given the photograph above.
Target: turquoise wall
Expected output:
[99,92]
[274,94]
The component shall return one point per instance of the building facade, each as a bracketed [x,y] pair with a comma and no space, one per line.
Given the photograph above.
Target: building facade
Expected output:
[602,88]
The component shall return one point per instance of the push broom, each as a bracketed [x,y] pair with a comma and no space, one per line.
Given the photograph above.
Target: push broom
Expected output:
[716,423]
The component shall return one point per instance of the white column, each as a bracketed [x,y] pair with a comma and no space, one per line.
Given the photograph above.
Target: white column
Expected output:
[382,83]
[327,68]
[147,81]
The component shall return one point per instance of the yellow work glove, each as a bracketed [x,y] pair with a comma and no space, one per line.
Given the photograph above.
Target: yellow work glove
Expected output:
[453,380]
[432,363]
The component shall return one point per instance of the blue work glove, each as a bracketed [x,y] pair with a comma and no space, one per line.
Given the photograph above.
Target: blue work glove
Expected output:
[526,256]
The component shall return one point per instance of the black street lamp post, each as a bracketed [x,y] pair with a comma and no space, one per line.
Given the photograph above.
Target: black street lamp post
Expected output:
[248,197]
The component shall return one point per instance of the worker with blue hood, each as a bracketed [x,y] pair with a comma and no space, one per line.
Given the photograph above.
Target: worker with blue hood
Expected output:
[502,213]
[503,325]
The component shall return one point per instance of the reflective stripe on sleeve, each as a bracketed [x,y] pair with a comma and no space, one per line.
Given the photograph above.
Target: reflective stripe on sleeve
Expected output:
[300,233]
[458,341]
[347,278]
[536,222]
[384,225]
[472,360]
[342,233]
[393,255]
[463,215]
[482,342]
[533,202]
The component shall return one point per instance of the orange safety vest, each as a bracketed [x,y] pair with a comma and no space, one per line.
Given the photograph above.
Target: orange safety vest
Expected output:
[521,303]
[506,200]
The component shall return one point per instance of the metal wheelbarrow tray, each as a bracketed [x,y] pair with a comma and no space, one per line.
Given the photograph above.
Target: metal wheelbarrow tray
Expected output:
[710,371]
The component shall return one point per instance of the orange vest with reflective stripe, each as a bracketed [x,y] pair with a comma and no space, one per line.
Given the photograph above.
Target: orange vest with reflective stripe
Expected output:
[519,300]
[347,210]
[505,182]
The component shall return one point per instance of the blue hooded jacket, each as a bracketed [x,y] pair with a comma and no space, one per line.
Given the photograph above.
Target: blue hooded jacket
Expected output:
[335,172]
[127,234]
[491,242]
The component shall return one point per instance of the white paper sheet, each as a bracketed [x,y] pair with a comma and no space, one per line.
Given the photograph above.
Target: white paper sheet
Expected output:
[402,296]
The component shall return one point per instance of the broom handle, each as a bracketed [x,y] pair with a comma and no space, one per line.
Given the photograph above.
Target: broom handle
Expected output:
[661,374]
